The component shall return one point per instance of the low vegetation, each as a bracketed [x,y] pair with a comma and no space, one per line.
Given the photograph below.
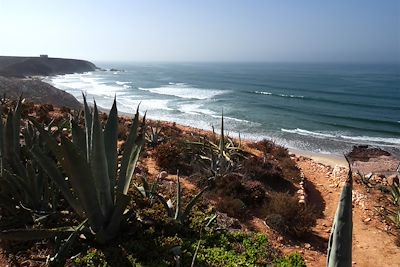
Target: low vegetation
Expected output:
[75,187]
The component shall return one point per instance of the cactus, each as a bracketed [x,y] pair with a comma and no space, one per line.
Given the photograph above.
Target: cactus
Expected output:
[340,240]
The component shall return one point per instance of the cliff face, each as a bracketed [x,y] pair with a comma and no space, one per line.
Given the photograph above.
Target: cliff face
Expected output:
[37,91]
[31,66]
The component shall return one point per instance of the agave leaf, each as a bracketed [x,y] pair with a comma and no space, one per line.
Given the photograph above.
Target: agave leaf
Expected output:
[141,190]
[34,185]
[59,258]
[110,144]
[222,137]
[78,135]
[132,150]
[1,140]
[128,149]
[34,234]
[178,209]
[191,204]
[81,178]
[98,163]
[22,187]
[16,123]
[145,183]
[154,186]
[340,240]
[9,143]
[117,215]
[48,139]
[49,166]
[167,205]
[88,126]
[15,186]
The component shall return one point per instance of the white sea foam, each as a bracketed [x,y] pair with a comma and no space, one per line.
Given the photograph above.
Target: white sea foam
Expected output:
[129,104]
[195,109]
[183,90]
[122,83]
[280,95]
[263,93]
[365,139]
[308,133]
[78,83]
[395,141]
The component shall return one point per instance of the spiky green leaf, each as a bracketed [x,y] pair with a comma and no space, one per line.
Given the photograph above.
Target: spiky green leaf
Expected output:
[99,168]
[50,167]
[88,126]
[81,178]
[110,143]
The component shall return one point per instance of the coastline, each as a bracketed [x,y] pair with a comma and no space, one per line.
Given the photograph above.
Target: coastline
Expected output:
[331,160]
[326,159]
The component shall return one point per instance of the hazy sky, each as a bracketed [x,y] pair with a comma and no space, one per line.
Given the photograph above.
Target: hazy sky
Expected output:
[215,30]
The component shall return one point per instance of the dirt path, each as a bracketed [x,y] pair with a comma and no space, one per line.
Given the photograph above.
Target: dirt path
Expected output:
[372,245]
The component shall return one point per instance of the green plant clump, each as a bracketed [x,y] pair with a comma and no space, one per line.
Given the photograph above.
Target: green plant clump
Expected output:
[235,249]
[292,260]
[93,258]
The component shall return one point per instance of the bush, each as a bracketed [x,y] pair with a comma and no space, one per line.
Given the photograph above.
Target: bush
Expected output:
[234,207]
[267,172]
[251,192]
[235,249]
[289,169]
[292,260]
[287,216]
[173,156]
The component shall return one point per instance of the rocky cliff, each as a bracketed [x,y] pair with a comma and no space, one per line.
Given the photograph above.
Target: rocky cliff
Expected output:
[43,66]
[37,91]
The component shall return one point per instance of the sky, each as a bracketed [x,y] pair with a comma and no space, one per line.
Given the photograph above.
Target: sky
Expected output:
[206,30]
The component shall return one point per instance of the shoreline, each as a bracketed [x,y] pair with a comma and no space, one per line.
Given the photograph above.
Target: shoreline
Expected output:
[325,159]
[331,159]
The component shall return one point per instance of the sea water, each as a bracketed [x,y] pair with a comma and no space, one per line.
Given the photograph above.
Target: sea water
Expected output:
[316,107]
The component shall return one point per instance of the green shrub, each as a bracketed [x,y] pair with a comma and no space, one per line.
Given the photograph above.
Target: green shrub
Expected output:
[292,260]
[235,249]
[93,258]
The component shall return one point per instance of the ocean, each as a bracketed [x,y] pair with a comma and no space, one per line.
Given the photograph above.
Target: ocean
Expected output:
[324,108]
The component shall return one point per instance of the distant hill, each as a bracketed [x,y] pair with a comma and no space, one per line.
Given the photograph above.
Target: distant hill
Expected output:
[43,66]
[37,91]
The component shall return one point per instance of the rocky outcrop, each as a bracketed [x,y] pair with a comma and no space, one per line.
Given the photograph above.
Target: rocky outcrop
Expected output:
[37,91]
[42,66]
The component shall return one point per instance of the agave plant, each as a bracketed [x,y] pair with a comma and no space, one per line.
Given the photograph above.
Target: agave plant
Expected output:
[153,135]
[179,213]
[218,157]
[24,186]
[99,192]
[148,190]
[340,240]
[393,213]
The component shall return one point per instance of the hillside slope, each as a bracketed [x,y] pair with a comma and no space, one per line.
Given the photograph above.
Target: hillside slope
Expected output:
[37,91]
